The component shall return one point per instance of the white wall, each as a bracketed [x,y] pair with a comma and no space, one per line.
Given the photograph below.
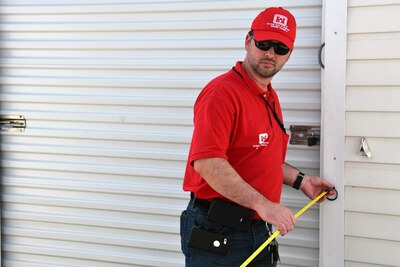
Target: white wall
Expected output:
[372,186]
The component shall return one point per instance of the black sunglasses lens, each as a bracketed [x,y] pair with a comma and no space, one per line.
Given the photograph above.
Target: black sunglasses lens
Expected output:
[263,45]
[279,48]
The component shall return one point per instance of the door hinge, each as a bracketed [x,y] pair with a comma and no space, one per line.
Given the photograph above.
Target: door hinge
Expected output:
[12,123]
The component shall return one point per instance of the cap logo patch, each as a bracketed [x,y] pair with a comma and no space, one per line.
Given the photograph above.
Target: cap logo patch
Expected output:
[279,22]
[280,19]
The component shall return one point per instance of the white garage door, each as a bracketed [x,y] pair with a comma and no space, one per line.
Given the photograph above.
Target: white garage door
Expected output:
[107,91]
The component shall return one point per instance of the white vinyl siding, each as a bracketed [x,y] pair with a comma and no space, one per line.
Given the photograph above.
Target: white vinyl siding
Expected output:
[107,91]
[372,193]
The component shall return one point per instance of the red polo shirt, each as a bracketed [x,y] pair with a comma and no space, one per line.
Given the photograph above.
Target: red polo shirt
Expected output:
[232,121]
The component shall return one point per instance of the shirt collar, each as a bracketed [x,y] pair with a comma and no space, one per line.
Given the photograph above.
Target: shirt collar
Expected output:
[254,87]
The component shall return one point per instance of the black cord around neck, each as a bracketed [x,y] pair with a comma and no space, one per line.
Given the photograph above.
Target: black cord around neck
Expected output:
[278,120]
[268,106]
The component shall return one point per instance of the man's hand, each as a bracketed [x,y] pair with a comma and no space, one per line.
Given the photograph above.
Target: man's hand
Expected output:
[278,215]
[312,186]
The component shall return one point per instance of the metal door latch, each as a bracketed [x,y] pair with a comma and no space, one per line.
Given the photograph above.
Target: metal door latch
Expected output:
[305,135]
[12,123]
[364,149]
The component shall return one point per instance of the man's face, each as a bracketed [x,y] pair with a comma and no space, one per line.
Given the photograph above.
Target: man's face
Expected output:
[264,64]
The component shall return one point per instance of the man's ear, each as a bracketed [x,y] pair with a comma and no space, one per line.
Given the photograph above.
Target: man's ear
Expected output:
[247,42]
[290,53]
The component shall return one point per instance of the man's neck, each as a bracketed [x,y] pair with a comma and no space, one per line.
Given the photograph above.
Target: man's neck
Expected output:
[260,81]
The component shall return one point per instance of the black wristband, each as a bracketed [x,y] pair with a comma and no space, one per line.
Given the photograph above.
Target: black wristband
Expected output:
[299,179]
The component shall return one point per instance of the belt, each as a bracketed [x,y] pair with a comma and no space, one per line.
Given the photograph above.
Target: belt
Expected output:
[200,202]
[204,203]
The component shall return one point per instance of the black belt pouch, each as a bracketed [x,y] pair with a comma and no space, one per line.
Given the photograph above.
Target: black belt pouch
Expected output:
[208,241]
[230,214]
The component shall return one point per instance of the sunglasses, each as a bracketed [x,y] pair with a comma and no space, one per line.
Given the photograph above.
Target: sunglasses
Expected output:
[279,48]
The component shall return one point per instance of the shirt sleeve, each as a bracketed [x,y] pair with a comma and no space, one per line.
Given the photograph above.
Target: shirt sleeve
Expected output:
[213,126]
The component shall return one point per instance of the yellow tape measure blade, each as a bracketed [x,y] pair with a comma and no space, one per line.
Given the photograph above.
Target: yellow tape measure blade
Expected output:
[277,232]
[261,248]
[306,207]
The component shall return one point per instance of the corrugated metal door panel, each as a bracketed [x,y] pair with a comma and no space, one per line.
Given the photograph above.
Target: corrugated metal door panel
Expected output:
[107,90]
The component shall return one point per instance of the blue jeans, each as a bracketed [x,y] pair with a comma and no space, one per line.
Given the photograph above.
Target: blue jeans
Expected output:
[241,244]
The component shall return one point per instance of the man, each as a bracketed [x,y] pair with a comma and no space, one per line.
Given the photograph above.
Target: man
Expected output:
[236,167]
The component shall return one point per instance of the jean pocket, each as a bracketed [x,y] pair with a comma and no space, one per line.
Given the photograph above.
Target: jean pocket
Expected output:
[183,222]
[184,235]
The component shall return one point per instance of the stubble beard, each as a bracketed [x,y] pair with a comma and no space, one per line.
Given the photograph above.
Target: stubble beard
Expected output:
[257,67]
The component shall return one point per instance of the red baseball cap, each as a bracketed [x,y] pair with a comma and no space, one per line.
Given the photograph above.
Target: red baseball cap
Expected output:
[275,23]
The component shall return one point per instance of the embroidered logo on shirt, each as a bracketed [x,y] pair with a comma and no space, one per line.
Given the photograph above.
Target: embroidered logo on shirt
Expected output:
[263,140]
